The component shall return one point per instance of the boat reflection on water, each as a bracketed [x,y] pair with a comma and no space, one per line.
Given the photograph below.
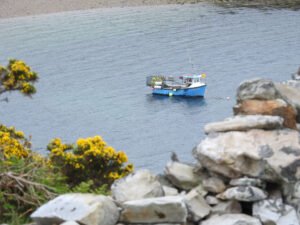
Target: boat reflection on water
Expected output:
[178,100]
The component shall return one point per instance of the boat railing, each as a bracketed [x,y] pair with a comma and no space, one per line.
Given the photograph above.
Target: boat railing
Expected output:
[164,81]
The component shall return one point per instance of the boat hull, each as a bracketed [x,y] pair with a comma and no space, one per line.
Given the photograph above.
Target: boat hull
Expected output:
[188,92]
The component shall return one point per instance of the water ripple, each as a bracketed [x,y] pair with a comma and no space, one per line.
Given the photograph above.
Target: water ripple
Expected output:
[93,66]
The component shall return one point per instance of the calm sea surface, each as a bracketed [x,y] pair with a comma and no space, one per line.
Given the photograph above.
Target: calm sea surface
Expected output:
[93,64]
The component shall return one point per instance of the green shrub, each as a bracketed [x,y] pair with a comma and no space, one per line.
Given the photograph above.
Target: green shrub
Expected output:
[90,159]
[17,76]
[26,180]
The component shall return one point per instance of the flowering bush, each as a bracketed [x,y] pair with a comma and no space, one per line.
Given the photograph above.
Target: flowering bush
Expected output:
[89,159]
[17,76]
[13,143]
[26,180]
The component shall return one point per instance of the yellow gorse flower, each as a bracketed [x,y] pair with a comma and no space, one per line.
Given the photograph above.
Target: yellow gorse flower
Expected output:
[18,76]
[89,158]
[13,143]
[122,157]
[20,66]
[114,175]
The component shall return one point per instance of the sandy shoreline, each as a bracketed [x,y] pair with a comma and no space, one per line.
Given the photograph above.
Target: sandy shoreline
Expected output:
[18,8]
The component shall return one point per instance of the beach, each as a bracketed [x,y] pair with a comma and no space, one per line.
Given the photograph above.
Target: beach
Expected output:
[17,8]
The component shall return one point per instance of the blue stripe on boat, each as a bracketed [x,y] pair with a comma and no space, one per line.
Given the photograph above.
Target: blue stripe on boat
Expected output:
[189,92]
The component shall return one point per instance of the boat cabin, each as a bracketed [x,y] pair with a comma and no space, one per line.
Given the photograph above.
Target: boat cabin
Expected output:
[191,79]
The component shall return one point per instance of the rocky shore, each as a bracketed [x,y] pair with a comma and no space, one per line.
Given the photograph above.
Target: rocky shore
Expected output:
[247,171]
[17,8]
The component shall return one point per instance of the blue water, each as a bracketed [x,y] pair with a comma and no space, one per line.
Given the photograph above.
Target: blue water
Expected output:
[92,66]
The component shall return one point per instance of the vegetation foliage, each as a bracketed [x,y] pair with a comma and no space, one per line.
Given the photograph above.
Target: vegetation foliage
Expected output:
[17,76]
[89,159]
[28,179]
[25,179]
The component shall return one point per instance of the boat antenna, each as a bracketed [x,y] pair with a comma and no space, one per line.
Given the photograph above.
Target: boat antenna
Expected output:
[189,48]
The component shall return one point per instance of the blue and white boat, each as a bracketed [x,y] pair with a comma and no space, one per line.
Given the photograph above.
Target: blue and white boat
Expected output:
[187,85]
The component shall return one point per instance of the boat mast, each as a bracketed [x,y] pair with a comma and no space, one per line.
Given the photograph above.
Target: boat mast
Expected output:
[189,48]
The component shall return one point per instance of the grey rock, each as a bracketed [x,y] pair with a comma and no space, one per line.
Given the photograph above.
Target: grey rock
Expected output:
[243,123]
[70,223]
[296,76]
[231,219]
[293,83]
[291,95]
[261,89]
[296,204]
[139,185]
[182,175]
[275,212]
[276,193]
[277,107]
[169,209]
[268,155]
[169,191]
[213,185]
[226,207]
[211,200]
[246,181]
[163,180]
[197,206]
[155,224]
[86,209]
[243,193]
[296,190]
[200,190]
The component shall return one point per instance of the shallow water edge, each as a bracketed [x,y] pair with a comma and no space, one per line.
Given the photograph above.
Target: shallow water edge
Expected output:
[15,8]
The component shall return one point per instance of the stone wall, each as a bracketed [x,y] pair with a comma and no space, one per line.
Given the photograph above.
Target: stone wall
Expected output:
[247,172]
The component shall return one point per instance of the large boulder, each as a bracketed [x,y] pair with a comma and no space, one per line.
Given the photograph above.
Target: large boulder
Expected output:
[243,123]
[277,107]
[261,89]
[182,175]
[269,155]
[169,209]
[231,219]
[243,193]
[291,95]
[273,211]
[126,189]
[86,209]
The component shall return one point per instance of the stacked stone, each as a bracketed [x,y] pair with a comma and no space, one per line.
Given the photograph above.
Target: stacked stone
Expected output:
[247,172]
[257,152]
